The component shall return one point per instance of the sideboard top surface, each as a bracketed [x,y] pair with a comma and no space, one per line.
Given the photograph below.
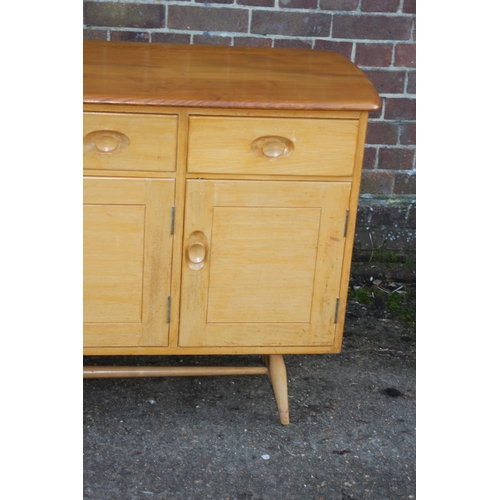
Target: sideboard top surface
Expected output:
[223,77]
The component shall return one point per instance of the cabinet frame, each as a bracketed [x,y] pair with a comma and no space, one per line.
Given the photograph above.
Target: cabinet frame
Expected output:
[181,176]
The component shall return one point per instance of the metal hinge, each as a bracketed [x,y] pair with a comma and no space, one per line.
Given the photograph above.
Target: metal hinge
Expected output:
[172,222]
[168,309]
[337,311]
[346,222]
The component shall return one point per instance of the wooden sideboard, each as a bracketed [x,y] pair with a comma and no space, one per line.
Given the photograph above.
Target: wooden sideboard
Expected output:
[220,189]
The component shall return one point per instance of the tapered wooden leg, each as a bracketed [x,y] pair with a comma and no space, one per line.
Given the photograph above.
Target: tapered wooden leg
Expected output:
[277,373]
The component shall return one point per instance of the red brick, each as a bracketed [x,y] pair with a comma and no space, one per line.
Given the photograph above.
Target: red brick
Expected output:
[411,86]
[290,23]
[410,6]
[395,158]
[120,15]
[375,182]
[387,82]
[256,3]
[129,36]
[171,38]
[338,5]
[400,109]
[405,55]
[95,34]
[384,225]
[292,43]
[364,215]
[379,5]
[212,40]
[374,54]
[389,215]
[215,1]
[298,4]
[382,133]
[207,18]
[363,242]
[405,184]
[252,41]
[343,48]
[369,158]
[399,240]
[378,114]
[408,133]
[371,27]
[411,220]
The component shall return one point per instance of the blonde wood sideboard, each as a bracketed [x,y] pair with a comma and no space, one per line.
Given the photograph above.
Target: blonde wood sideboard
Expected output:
[220,195]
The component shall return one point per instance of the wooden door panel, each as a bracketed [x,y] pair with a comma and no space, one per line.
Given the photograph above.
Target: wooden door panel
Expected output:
[263,262]
[114,261]
[272,268]
[127,260]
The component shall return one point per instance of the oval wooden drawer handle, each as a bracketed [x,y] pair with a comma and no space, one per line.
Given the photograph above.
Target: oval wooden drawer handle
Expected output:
[106,141]
[196,250]
[272,146]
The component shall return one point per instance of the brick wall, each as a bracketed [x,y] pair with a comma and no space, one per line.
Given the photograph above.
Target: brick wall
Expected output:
[378,35]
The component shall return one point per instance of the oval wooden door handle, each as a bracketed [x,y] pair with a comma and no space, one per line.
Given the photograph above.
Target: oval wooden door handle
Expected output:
[196,250]
[196,253]
[106,141]
[272,146]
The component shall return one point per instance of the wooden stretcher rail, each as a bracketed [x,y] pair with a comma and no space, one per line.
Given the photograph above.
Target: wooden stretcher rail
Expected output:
[170,371]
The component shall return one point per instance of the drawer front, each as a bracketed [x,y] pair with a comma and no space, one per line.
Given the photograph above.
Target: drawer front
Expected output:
[272,146]
[114,141]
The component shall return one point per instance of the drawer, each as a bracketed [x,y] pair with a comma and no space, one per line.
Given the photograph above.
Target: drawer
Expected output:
[115,141]
[272,146]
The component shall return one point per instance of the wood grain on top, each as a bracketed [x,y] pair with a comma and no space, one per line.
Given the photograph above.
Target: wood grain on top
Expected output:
[223,77]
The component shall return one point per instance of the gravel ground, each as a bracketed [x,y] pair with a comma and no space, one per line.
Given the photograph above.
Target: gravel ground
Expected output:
[351,434]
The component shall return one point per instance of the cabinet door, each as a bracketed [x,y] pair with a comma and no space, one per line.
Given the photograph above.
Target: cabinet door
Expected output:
[262,262]
[127,261]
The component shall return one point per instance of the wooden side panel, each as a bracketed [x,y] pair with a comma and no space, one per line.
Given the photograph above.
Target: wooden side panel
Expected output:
[272,271]
[127,260]
[224,145]
[135,142]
